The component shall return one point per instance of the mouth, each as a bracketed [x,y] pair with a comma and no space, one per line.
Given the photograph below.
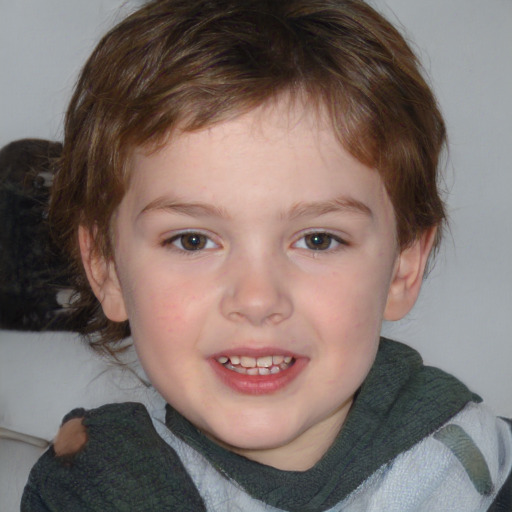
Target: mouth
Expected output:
[258,374]
[266,365]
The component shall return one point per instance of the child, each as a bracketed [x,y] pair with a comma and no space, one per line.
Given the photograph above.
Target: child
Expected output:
[249,189]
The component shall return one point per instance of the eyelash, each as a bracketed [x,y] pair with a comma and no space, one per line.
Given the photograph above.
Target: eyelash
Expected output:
[204,242]
[331,238]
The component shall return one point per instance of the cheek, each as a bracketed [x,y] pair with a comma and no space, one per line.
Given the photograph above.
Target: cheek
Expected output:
[160,313]
[155,303]
[165,329]
[353,296]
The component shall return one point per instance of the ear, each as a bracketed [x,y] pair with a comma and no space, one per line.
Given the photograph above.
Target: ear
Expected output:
[408,276]
[102,276]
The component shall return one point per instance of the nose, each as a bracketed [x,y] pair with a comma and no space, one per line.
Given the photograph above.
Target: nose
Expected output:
[256,292]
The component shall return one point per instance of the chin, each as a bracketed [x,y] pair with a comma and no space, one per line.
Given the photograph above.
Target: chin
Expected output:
[255,436]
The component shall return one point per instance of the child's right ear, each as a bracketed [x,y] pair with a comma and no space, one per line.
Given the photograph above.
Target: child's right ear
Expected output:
[103,278]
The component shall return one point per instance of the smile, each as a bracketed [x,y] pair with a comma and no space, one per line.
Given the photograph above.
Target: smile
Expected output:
[266,365]
[258,374]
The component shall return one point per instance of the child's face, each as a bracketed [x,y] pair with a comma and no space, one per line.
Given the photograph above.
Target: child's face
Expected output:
[255,240]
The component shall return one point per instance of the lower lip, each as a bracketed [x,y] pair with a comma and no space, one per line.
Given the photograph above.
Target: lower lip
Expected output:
[259,384]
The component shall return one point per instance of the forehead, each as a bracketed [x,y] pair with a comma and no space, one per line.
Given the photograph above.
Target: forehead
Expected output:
[281,151]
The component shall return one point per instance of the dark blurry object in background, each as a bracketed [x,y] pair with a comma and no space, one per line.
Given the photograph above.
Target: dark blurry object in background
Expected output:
[34,283]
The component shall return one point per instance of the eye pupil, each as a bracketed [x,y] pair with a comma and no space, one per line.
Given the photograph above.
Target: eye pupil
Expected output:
[193,241]
[318,241]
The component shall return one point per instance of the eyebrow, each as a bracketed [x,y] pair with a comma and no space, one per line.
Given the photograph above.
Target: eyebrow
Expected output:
[338,205]
[302,209]
[191,209]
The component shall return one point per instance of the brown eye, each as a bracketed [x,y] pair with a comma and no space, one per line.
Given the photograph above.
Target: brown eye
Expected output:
[318,241]
[191,241]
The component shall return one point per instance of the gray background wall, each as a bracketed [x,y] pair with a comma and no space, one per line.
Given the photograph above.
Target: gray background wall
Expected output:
[463,320]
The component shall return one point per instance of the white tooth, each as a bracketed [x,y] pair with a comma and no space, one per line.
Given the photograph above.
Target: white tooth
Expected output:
[248,362]
[283,366]
[263,371]
[239,369]
[277,360]
[222,359]
[264,362]
[275,369]
[235,360]
[288,359]
[252,371]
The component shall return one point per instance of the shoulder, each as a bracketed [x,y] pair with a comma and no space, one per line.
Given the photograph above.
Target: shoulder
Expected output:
[465,465]
[482,444]
[503,501]
[469,460]
[110,458]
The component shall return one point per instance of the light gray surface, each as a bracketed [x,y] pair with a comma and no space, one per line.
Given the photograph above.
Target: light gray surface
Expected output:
[463,321]
[16,459]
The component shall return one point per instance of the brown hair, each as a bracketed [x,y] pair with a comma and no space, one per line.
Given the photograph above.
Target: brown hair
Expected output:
[192,63]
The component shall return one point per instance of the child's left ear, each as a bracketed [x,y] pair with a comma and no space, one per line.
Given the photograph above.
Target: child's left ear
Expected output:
[408,276]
